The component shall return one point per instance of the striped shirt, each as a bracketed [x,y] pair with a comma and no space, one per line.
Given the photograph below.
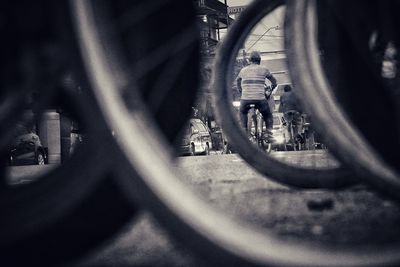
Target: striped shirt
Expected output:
[252,83]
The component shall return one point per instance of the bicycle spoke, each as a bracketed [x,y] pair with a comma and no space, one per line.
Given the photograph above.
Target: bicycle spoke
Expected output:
[138,12]
[170,48]
[167,79]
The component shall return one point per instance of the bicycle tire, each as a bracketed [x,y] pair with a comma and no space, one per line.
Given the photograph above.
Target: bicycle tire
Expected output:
[201,229]
[70,224]
[350,145]
[273,169]
[49,216]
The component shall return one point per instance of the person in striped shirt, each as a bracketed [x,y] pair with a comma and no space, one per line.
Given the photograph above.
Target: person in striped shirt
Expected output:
[252,87]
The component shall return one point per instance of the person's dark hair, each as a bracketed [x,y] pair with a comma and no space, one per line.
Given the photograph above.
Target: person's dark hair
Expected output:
[287,88]
[255,57]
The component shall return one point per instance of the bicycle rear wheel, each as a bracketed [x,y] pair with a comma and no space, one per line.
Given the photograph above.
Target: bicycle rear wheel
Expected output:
[272,168]
[221,240]
[348,133]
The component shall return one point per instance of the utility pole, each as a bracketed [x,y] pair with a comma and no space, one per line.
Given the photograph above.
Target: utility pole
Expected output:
[227,14]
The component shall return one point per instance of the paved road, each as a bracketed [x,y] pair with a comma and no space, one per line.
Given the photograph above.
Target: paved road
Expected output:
[352,216]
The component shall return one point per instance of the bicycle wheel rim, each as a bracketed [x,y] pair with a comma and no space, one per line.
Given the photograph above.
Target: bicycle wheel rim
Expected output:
[158,189]
[271,168]
[36,215]
[349,146]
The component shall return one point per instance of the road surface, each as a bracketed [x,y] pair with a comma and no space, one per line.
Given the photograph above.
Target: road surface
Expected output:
[356,215]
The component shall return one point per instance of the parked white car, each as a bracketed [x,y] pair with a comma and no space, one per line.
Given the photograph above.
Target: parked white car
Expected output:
[196,139]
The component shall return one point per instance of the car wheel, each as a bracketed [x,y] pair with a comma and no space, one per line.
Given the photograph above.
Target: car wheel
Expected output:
[192,150]
[207,150]
[226,148]
[40,158]
[10,161]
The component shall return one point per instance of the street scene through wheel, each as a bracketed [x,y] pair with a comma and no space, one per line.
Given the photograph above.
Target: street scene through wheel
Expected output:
[335,176]
[94,171]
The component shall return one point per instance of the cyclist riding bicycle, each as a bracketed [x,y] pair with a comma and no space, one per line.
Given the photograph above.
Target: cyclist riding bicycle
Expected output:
[251,85]
[292,112]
